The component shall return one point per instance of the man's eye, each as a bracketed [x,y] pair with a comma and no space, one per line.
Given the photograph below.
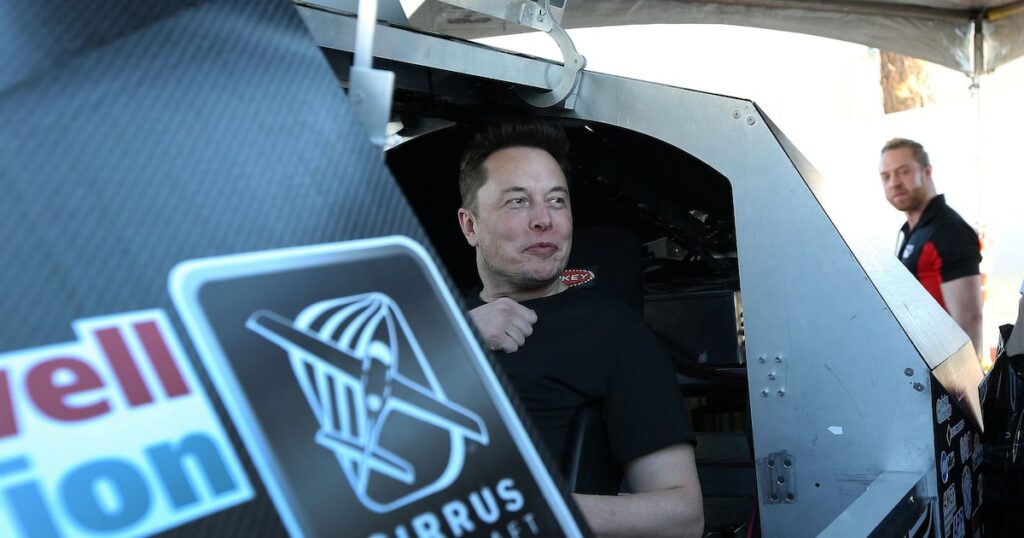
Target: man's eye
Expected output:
[517,202]
[556,201]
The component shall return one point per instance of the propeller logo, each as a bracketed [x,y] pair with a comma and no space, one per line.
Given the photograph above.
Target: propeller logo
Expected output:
[345,354]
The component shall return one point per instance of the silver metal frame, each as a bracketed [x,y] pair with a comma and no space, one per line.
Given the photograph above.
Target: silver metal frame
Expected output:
[840,339]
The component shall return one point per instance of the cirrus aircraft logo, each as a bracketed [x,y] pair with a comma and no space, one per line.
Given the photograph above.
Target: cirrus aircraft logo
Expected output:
[362,394]
[345,356]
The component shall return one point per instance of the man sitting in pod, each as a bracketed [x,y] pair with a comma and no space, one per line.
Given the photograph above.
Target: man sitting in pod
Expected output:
[564,347]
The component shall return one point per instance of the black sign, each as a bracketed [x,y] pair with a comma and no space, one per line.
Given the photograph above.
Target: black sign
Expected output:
[363,396]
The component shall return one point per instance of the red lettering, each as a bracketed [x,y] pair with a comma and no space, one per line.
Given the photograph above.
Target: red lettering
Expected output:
[8,424]
[50,396]
[127,372]
[161,358]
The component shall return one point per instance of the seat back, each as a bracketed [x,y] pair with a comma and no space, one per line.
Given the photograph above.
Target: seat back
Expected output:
[615,257]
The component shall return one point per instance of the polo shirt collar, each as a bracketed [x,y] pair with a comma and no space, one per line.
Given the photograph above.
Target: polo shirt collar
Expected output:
[933,208]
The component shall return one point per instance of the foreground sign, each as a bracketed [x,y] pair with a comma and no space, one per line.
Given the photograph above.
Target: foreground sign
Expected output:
[110,435]
[362,395]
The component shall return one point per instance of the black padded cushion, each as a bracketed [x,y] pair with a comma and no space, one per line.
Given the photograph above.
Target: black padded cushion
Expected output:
[616,258]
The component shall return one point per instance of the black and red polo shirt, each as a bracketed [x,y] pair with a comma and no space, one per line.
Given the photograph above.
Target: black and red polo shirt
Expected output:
[942,247]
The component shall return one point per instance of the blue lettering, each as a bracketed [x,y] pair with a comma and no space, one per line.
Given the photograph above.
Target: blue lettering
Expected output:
[29,510]
[198,448]
[81,493]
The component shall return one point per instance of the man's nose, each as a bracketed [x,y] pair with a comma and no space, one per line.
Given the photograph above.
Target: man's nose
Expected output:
[540,218]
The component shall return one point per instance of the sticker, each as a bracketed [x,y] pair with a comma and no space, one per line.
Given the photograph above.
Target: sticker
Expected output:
[953,431]
[947,460]
[979,451]
[577,277]
[908,251]
[948,509]
[959,528]
[835,430]
[346,355]
[385,417]
[966,490]
[965,449]
[943,409]
[114,436]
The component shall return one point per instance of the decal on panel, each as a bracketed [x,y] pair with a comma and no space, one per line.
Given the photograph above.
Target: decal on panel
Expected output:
[111,434]
[345,356]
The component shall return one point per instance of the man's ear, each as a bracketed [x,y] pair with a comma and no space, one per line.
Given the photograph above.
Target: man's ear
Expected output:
[467,221]
[928,172]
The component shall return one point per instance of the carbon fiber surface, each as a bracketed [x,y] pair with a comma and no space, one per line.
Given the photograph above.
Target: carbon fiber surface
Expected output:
[134,135]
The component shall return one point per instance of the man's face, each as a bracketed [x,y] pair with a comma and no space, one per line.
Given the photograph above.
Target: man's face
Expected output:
[907,184]
[522,224]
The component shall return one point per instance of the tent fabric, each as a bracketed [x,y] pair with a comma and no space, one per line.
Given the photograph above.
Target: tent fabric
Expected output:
[939,31]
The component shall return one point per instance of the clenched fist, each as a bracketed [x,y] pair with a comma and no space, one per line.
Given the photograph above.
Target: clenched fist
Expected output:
[504,324]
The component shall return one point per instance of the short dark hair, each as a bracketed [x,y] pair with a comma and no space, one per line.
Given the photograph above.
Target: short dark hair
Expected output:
[499,136]
[920,155]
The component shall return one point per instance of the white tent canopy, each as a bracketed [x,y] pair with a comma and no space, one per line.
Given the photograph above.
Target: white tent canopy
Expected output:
[972,36]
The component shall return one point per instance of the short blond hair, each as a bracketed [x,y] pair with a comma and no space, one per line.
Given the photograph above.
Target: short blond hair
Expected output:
[920,155]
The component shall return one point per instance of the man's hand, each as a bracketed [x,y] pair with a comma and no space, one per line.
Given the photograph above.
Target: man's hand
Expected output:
[504,324]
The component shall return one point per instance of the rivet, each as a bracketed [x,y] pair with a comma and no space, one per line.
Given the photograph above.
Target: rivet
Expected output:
[909,372]
[761,360]
[778,359]
[771,375]
[736,114]
[764,393]
[918,387]
[782,392]
[750,120]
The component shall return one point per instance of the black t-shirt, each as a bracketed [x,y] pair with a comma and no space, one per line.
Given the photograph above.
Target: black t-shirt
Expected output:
[586,347]
[942,247]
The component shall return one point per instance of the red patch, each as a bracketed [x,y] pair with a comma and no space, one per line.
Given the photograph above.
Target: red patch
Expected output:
[575,277]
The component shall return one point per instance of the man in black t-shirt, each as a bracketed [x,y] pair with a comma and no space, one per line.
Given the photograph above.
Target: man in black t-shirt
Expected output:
[936,245]
[563,347]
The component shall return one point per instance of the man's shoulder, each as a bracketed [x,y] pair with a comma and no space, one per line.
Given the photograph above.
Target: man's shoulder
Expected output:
[950,227]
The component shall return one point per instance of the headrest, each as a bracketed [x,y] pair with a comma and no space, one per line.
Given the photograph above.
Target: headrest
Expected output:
[615,258]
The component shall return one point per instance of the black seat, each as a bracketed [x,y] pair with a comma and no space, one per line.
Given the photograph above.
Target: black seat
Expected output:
[588,466]
[616,258]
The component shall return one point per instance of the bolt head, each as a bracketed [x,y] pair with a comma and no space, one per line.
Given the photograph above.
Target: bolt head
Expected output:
[764,393]
[750,120]
[782,392]
[918,387]
[771,375]
[909,372]
[736,114]
[778,359]
[761,360]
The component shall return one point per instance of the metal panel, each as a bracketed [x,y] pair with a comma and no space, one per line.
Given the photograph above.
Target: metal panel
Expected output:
[337,31]
[896,500]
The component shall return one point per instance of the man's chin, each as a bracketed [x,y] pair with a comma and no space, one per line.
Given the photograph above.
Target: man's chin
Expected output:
[539,279]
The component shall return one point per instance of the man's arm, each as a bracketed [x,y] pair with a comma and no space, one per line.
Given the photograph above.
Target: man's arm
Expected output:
[666,500]
[963,300]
